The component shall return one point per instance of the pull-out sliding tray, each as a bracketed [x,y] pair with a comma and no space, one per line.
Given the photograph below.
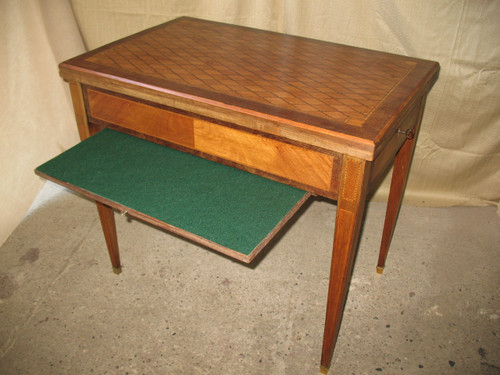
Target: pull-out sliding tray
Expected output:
[223,208]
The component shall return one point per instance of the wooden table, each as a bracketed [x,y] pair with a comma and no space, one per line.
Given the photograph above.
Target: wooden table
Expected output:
[325,118]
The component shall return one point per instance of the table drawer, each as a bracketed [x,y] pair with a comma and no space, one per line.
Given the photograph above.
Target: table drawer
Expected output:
[226,209]
[259,154]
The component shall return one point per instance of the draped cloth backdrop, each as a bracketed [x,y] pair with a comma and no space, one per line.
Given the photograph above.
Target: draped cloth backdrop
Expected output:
[457,160]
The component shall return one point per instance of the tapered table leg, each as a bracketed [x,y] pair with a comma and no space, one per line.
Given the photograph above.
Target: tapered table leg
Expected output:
[400,174]
[350,208]
[396,192]
[107,217]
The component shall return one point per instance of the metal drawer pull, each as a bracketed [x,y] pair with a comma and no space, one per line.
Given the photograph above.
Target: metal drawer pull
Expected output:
[408,133]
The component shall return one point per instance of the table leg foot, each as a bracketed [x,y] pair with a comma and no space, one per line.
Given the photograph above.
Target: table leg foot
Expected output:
[323,369]
[380,270]
[117,270]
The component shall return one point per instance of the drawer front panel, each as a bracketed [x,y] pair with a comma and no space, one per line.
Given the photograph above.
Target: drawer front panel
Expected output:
[140,117]
[295,163]
[257,153]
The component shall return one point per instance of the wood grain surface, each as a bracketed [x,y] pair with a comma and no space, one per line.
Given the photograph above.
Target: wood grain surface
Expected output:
[350,98]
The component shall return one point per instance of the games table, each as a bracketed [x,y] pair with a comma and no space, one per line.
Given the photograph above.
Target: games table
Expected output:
[220,133]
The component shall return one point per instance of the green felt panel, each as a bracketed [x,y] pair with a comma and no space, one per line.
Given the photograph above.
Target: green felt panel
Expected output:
[225,205]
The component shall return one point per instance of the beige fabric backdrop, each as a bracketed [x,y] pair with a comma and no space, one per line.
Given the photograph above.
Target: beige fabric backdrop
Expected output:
[36,120]
[457,161]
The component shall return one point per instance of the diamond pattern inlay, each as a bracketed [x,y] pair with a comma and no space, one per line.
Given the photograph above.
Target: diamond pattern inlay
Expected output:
[316,78]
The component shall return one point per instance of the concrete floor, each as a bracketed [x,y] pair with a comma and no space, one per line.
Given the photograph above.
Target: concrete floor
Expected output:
[181,309]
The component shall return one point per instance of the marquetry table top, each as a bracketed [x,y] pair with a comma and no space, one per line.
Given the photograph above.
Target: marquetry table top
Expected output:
[331,87]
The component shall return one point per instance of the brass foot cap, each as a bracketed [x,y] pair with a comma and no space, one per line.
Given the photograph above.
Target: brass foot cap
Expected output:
[323,369]
[380,270]
[117,270]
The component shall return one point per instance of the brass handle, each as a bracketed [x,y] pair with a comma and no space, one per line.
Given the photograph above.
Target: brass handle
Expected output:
[408,133]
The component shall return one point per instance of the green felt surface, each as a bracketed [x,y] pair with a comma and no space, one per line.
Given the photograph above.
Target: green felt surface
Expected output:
[225,205]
